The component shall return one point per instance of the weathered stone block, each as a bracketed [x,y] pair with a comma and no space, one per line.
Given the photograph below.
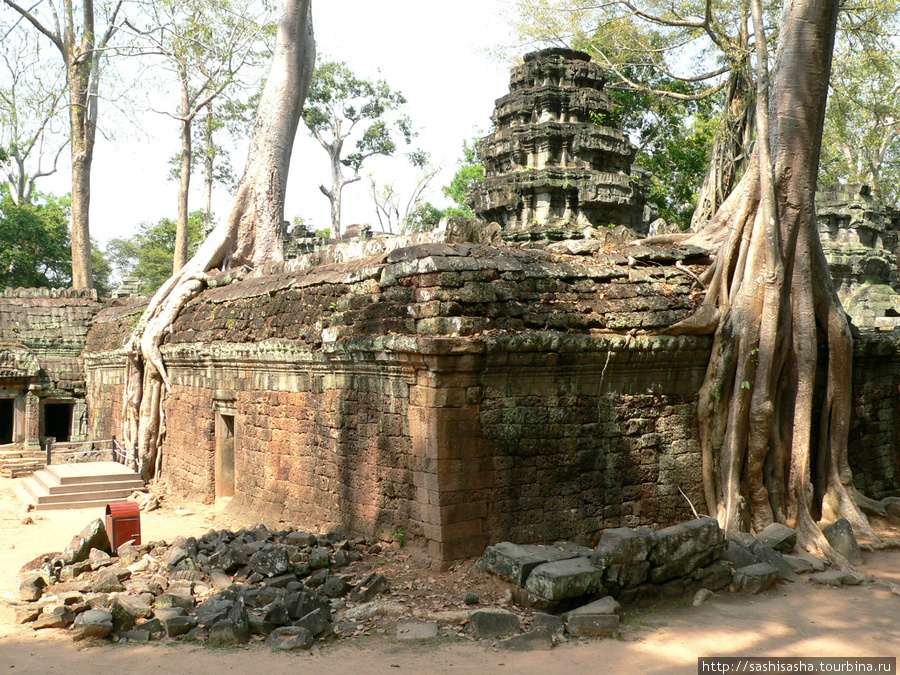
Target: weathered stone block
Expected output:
[778,536]
[564,579]
[515,562]
[682,548]
[840,535]
[493,623]
[754,578]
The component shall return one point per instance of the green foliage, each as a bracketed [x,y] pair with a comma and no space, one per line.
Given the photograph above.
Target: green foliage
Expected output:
[340,104]
[399,535]
[148,255]
[861,142]
[469,172]
[35,250]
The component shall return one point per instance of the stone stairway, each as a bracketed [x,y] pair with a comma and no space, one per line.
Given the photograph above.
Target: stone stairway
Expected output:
[16,460]
[78,486]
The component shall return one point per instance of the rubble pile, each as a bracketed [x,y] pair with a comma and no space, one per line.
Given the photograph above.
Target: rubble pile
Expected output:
[223,587]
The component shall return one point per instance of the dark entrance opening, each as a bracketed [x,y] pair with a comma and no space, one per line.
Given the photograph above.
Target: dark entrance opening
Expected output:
[7,420]
[58,421]
[225,456]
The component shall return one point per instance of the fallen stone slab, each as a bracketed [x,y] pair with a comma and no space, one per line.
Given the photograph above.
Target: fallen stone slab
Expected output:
[622,553]
[92,536]
[59,616]
[593,625]
[179,625]
[32,588]
[234,629]
[270,563]
[607,605]
[17,614]
[754,578]
[106,581]
[92,624]
[840,535]
[738,554]
[493,623]
[317,622]
[828,578]
[817,563]
[369,587]
[776,560]
[778,536]
[552,623]
[565,579]
[417,631]
[682,548]
[99,559]
[537,639]
[515,562]
[220,580]
[139,635]
[714,576]
[289,638]
[798,564]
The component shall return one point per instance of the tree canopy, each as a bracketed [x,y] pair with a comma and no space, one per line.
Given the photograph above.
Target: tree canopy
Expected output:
[343,108]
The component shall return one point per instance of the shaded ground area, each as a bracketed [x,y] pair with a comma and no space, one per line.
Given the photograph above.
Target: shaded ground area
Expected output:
[792,620]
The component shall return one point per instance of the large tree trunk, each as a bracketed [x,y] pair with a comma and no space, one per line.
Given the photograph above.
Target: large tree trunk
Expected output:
[250,236]
[772,451]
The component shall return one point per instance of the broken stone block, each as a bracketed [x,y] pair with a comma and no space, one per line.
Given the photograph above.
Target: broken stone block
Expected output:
[139,635]
[776,560]
[493,623]
[714,576]
[234,629]
[59,616]
[92,624]
[303,602]
[514,562]
[289,638]
[300,539]
[13,614]
[537,639]
[213,610]
[817,563]
[99,559]
[738,554]
[317,622]
[128,554]
[754,578]
[335,587]
[417,631]
[270,563]
[798,564]
[682,548]
[552,623]
[163,614]
[565,579]
[32,588]
[622,553]
[179,625]
[93,536]
[319,558]
[778,536]
[220,580]
[829,578]
[106,581]
[368,588]
[231,560]
[277,614]
[592,620]
[840,535]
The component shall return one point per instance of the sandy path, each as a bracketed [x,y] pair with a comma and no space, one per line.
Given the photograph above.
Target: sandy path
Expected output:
[794,620]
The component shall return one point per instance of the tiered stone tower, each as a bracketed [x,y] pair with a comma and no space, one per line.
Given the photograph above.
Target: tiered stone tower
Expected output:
[556,165]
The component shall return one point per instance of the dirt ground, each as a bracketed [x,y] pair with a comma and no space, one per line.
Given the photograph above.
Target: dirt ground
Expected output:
[792,620]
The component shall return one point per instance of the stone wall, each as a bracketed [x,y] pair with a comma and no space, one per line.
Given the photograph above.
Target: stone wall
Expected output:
[466,394]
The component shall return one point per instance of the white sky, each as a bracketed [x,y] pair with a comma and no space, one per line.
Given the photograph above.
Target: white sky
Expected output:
[433,52]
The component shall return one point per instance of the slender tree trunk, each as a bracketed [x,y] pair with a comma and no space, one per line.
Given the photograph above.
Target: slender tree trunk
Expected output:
[82,144]
[208,166]
[184,186]
[249,237]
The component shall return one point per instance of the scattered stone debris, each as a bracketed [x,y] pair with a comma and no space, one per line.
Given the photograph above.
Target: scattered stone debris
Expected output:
[291,589]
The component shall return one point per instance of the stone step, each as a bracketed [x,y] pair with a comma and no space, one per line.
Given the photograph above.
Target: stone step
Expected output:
[90,472]
[103,492]
[67,486]
[55,488]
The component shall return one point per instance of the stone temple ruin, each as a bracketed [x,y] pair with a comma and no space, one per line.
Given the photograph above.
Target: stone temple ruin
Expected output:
[557,165]
[465,393]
